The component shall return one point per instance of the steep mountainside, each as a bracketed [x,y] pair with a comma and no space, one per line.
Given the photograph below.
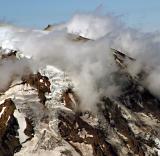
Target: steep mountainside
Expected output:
[39,115]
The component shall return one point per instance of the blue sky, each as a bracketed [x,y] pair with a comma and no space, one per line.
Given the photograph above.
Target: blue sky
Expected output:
[142,14]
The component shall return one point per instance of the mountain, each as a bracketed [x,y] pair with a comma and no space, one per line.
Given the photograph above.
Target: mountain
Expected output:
[39,114]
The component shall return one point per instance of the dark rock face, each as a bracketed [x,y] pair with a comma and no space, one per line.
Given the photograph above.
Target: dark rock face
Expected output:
[7,110]
[70,99]
[140,100]
[9,136]
[70,127]
[48,27]
[10,55]
[113,122]
[41,83]
[29,131]
[9,143]
[117,121]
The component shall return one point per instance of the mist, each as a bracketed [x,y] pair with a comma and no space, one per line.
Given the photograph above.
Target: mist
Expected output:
[90,64]
[11,70]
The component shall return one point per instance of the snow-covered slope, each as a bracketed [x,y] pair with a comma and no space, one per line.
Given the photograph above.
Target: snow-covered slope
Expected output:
[39,116]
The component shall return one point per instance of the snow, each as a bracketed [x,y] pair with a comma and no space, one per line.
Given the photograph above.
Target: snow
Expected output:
[73,100]
[26,100]
[27,103]
[86,148]
[157,141]
[22,125]
[41,80]
[56,152]
[59,83]
[3,109]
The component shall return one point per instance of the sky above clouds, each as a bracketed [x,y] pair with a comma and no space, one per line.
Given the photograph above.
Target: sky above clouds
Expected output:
[142,14]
